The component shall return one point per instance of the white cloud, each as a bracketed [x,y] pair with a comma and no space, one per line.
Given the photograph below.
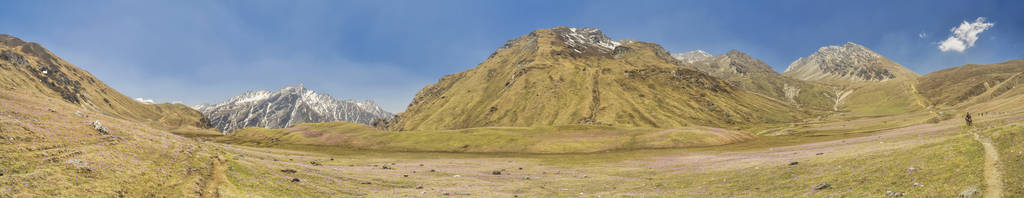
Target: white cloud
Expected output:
[922,35]
[145,101]
[964,35]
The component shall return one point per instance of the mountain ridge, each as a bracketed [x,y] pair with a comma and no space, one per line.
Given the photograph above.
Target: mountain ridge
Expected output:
[286,107]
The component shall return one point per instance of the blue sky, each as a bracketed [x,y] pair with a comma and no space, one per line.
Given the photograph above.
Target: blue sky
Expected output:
[207,51]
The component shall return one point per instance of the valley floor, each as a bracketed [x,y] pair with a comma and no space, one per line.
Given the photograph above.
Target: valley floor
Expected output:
[56,153]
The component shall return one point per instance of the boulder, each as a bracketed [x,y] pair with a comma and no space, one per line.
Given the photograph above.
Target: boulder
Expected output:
[970,192]
[99,127]
[295,180]
[794,163]
[289,171]
[822,186]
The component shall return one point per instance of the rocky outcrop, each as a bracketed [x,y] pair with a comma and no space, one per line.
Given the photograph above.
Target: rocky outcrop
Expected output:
[849,63]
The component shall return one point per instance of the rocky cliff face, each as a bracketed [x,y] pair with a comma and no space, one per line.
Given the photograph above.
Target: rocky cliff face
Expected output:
[287,107]
[848,63]
[580,76]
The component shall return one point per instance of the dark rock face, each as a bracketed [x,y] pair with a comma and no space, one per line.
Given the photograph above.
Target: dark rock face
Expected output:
[50,73]
[287,107]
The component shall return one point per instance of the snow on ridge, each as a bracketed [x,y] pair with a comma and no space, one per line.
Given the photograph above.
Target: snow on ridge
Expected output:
[589,36]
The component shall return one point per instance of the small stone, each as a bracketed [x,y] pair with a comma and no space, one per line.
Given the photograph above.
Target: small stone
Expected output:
[526,178]
[794,163]
[421,164]
[295,180]
[457,176]
[912,169]
[52,110]
[819,154]
[432,170]
[822,186]
[315,163]
[894,194]
[289,171]
[970,192]
[365,182]
[405,175]
[445,193]
[520,168]
[419,186]
[332,159]
[497,172]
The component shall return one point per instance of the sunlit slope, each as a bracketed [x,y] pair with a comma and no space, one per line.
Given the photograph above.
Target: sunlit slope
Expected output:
[550,77]
[29,66]
[547,139]
[753,75]
[974,84]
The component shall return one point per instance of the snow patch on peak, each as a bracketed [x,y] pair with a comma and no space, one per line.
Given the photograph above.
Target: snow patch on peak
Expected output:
[692,56]
[580,38]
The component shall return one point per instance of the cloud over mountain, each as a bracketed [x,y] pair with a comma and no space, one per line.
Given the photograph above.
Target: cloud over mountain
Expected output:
[964,35]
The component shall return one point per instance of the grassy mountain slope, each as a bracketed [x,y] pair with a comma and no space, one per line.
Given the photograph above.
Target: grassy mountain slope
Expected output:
[546,139]
[544,79]
[972,84]
[752,75]
[29,66]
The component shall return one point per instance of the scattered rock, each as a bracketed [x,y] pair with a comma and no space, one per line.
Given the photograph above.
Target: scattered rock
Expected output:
[822,186]
[912,169]
[419,186]
[405,175]
[315,163]
[289,171]
[365,182]
[421,164]
[794,163]
[432,170]
[295,180]
[819,154]
[52,110]
[918,184]
[385,167]
[526,178]
[497,172]
[520,168]
[99,127]
[970,192]
[894,194]
[80,114]
[332,159]
[445,193]
[457,176]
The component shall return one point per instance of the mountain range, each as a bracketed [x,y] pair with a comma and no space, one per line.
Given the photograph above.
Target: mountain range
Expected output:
[287,107]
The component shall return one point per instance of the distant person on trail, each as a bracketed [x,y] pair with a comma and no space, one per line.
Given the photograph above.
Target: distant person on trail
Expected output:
[968,119]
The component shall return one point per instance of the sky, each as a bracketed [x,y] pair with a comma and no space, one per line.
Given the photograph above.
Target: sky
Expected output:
[205,51]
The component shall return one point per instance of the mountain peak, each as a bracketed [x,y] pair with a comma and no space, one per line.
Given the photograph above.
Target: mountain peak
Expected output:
[847,63]
[692,56]
[583,38]
[286,107]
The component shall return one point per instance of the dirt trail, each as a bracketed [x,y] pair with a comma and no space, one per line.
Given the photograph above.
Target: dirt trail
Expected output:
[217,178]
[993,179]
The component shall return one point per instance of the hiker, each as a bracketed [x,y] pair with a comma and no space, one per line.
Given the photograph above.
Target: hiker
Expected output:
[968,119]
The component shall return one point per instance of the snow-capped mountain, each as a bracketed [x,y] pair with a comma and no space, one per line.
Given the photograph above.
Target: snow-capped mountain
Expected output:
[692,56]
[286,107]
[850,62]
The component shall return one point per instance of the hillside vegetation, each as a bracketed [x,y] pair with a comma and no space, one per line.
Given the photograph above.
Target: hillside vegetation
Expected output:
[547,78]
[27,66]
[548,139]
